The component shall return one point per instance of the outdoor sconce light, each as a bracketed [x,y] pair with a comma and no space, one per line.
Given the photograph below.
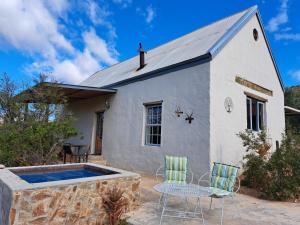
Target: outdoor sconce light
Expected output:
[178,111]
[189,117]
[107,104]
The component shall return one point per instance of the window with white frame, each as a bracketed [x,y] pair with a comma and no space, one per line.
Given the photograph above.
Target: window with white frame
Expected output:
[153,124]
[255,114]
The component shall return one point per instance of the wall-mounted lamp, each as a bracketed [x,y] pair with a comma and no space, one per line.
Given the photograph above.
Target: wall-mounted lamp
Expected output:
[107,104]
[178,111]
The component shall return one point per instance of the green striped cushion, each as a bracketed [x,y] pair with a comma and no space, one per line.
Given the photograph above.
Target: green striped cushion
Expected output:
[224,176]
[175,169]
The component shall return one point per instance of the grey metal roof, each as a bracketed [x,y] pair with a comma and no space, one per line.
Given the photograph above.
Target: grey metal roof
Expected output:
[200,44]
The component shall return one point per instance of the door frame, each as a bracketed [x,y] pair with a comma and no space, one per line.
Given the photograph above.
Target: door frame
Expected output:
[94,136]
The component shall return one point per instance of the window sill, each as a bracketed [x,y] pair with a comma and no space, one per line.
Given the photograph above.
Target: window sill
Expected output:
[255,131]
[153,145]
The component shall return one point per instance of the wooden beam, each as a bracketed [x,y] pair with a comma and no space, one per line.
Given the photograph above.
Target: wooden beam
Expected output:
[253,86]
[255,96]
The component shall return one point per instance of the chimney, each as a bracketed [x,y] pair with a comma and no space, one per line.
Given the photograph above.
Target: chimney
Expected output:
[142,57]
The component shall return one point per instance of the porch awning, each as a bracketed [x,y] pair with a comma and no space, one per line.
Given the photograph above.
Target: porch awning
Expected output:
[290,111]
[72,92]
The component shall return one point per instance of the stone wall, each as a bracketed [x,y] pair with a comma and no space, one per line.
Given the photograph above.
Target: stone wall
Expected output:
[71,204]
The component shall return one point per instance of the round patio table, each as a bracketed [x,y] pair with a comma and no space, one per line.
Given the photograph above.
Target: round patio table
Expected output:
[185,191]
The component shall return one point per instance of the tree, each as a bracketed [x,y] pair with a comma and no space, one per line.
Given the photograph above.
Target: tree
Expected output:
[34,122]
[292,98]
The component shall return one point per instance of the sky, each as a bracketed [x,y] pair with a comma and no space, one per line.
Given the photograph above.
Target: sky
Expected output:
[71,40]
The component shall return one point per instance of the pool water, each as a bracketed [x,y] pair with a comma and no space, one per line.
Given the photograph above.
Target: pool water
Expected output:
[60,175]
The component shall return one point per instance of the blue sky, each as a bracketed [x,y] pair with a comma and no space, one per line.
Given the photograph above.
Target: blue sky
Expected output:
[71,40]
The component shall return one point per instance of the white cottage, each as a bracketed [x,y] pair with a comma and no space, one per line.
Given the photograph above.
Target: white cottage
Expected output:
[190,97]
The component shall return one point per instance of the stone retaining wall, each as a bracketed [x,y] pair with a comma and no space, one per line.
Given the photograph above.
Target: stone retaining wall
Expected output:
[72,202]
[78,204]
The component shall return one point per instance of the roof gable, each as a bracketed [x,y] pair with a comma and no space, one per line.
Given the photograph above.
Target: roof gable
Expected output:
[201,44]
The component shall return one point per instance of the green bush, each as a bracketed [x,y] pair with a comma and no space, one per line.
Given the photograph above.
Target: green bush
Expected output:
[31,130]
[283,171]
[254,171]
[34,142]
[276,176]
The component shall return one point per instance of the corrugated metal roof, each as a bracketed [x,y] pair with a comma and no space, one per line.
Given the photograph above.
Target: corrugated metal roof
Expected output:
[189,46]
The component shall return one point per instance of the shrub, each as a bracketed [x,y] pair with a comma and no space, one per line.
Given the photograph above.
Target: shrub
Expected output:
[31,133]
[254,171]
[115,205]
[258,150]
[283,171]
[277,175]
[33,142]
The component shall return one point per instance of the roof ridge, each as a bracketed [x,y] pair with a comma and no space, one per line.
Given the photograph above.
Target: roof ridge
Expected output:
[230,33]
[193,31]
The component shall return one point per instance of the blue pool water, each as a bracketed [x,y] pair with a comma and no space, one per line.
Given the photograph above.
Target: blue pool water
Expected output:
[60,175]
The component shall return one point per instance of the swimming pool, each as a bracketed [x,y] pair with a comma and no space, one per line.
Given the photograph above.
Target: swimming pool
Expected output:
[62,175]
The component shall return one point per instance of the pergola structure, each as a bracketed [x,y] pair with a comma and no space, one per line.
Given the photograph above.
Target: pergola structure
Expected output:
[69,91]
[290,111]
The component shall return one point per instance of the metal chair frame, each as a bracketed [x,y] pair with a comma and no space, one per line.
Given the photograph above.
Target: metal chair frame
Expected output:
[161,173]
[209,174]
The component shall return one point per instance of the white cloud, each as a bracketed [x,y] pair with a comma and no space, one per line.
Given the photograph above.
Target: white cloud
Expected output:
[77,69]
[34,28]
[150,14]
[99,15]
[286,29]
[295,74]
[58,6]
[288,36]
[99,47]
[281,18]
[123,3]
[29,26]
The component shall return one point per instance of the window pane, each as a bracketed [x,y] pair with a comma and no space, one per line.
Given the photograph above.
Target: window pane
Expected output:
[158,139]
[254,115]
[153,125]
[249,113]
[155,141]
[155,130]
[261,115]
[154,119]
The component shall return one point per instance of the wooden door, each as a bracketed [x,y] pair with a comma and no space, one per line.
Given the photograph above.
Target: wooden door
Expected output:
[99,132]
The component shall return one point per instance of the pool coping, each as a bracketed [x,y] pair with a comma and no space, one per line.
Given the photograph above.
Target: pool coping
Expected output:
[15,183]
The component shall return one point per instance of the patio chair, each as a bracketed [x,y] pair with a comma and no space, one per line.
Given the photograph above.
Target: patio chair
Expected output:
[223,181]
[176,170]
[80,152]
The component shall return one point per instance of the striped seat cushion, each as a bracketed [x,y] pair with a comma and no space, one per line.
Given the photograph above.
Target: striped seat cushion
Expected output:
[224,177]
[175,169]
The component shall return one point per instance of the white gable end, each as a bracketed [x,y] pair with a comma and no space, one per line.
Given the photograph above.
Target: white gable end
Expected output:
[251,60]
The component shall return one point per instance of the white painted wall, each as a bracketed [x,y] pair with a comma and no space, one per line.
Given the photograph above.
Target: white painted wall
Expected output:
[251,60]
[123,138]
[84,112]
